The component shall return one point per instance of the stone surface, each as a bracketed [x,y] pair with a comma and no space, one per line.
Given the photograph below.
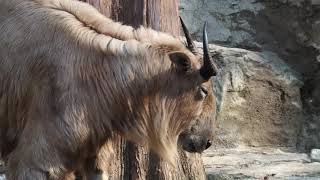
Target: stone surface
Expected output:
[315,155]
[259,163]
[258,99]
[221,17]
[284,30]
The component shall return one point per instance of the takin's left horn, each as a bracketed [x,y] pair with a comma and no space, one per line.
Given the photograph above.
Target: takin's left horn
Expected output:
[208,68]
[190,43]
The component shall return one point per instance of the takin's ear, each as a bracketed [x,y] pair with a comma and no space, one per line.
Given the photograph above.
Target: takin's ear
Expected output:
[181,60]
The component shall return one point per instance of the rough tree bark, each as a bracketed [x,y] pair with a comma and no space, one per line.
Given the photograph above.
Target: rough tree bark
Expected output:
[129,161]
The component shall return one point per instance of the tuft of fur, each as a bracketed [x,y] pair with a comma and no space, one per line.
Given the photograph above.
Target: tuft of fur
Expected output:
[92,18]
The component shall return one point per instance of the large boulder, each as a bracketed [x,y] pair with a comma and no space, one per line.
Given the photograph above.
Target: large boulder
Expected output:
[258,99]
[274,85]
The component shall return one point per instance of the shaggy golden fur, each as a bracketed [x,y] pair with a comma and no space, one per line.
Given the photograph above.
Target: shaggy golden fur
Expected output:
[69,81]
[92,18]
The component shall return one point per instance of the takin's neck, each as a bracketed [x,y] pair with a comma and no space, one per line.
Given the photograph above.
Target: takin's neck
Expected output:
[116,84]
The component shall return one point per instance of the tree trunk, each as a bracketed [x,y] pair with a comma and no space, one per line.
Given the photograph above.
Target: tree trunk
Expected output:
[129,161]
[162,15]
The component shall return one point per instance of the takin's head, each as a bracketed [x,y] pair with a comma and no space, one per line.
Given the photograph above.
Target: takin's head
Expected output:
[180,104]
[198,136]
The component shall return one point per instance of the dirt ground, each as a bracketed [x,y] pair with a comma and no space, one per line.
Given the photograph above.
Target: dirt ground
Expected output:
[259,163]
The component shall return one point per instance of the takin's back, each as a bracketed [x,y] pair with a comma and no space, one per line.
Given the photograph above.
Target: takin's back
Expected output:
[45,53]
[39,50]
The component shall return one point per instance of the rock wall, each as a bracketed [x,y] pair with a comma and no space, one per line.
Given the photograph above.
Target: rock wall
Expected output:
[269,86]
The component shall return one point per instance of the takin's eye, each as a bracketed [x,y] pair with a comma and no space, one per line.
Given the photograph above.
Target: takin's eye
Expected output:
[202,92]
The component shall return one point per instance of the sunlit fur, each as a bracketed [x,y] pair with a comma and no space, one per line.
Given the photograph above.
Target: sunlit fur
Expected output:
[68,83]
[90,17]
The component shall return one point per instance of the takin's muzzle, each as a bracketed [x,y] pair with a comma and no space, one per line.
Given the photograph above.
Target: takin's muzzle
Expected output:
[196,140]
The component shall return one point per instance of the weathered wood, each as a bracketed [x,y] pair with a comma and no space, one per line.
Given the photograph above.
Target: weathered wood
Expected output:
[163,15]
[158,14]
[129,161]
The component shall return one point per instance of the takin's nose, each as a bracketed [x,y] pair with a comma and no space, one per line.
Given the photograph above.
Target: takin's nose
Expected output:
[209,143]
[196,145]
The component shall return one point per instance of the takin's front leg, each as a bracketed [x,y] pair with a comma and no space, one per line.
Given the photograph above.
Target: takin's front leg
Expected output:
[98,167]
[26,173]
[90,171]
[21,166]
[36,158]
[32,164]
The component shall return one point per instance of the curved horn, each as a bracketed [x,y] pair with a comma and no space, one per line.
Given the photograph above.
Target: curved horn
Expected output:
[191,45]
[209,68]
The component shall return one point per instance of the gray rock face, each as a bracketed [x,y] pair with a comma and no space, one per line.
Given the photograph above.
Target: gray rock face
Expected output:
[315,155]
[221,15]
[278,25]
[270,94]
[258,99]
